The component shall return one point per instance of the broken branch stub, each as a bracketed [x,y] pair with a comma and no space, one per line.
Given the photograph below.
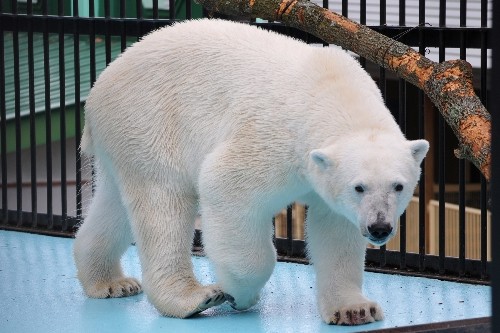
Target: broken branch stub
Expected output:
[448,84]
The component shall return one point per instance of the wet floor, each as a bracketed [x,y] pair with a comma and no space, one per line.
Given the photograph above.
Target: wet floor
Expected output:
[39,292]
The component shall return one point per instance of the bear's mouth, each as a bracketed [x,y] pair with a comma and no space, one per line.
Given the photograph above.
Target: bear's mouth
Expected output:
[377,241]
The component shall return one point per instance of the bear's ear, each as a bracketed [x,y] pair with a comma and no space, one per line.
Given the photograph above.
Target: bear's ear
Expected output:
[320,159]
[419,149]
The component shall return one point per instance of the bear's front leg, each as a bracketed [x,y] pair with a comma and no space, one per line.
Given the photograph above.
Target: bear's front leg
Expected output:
[242,253]
[236,221]
[337,251]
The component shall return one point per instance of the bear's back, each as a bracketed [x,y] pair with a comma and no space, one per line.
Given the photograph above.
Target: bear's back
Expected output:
[183,90]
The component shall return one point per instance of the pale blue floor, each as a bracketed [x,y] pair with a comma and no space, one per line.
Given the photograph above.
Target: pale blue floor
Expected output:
[39,293]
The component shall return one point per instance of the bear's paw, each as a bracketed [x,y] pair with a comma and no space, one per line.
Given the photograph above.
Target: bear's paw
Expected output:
[212,296]
[243,305]
[122,287]
[356,314]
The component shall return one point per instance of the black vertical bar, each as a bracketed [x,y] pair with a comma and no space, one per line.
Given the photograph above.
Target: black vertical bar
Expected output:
[93,72]
[171,9]
[123,35]
[78,114]
[402,219]
[62,115]
[107,35]
[189,10]
[461,217]
[3,127]
[155,10]
[484,100]
[362,12]
[402,125]
[31,88]
[484,227]
[442,13]
[402,13]
[17,110]
[92,43]
[461,162]
[484,54]
[345,7]
[421,194]
[463,13]
[383,88]
[362,20]
[289,231]
[441,195]
[383,12]
[138,6]
[441,153]
[48,117]
[123,9]
[326,5]
[495,173]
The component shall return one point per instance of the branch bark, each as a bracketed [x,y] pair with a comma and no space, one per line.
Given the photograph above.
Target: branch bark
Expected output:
[448,84]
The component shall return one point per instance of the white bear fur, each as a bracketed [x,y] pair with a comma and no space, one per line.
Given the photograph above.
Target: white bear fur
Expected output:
[237,122]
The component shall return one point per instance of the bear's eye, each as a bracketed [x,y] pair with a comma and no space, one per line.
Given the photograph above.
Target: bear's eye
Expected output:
[359,189]
[398,187]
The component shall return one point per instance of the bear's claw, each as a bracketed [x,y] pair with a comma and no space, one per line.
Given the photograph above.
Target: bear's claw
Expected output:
[215,298]
[122,287]
[357,314]
[230,299]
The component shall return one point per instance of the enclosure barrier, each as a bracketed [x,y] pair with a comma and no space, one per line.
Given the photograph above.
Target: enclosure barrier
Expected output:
[52,51]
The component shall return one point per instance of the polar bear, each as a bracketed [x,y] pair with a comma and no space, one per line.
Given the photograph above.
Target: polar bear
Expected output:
[236,122]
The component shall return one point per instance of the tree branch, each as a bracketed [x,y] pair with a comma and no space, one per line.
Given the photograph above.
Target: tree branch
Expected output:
[448,84]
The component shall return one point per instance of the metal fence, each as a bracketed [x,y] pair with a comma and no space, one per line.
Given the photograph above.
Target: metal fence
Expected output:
[52,51]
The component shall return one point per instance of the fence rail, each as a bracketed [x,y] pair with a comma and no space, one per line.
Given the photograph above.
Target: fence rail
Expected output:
[72,47]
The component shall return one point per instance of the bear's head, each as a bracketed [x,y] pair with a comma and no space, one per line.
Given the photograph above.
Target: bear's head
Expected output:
[369,179]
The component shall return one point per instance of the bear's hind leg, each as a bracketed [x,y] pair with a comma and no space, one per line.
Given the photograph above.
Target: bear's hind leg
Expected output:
[101,241]
[163,224]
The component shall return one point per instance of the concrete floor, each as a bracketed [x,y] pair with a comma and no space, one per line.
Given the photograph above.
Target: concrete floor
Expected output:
[39,292]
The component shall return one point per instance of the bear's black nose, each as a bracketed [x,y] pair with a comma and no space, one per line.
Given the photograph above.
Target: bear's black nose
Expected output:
[379,231]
